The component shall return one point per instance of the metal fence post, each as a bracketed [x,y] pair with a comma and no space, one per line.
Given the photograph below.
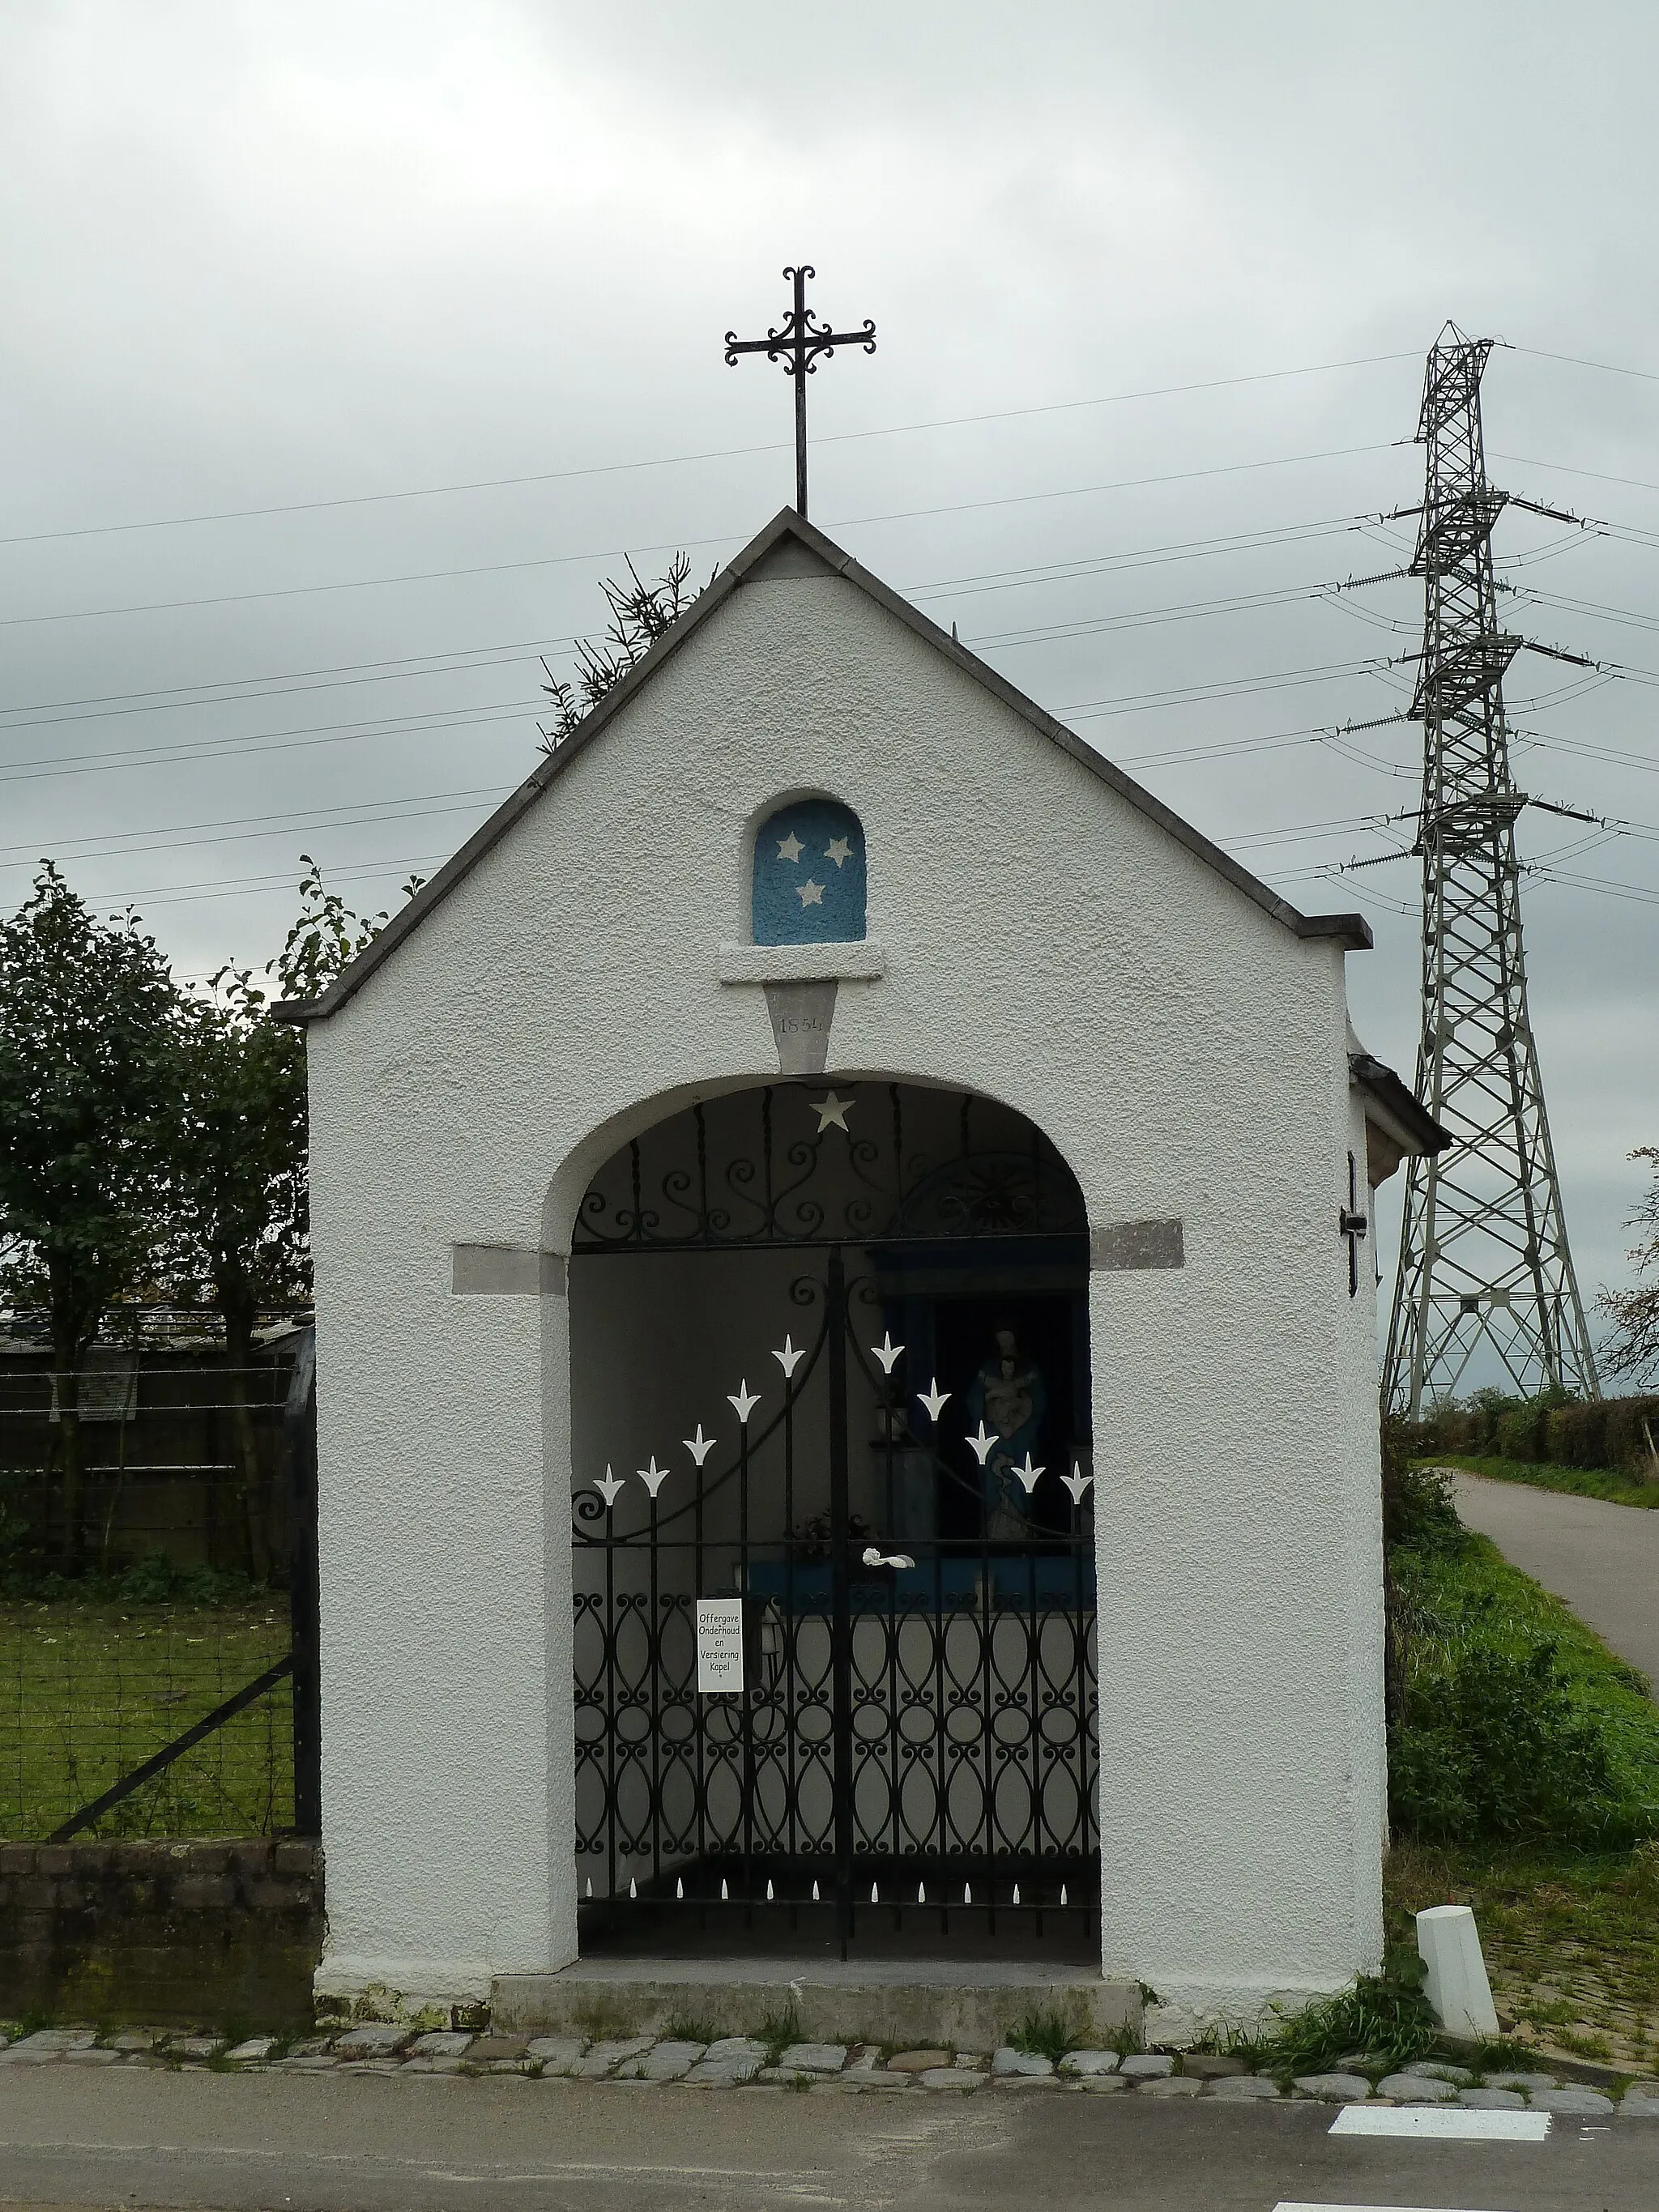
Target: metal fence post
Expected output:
[300,1432]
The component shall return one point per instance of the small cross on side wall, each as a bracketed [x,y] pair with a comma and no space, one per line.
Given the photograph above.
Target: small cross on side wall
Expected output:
[1352,1225]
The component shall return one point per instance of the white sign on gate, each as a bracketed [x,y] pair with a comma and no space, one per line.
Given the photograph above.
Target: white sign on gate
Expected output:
[719,1644]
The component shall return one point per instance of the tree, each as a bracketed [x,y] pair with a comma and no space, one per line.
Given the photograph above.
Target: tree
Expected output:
[238,1227]
[87,1060]
[326,936]
[640,615]
[1635,1313]
[241,1230]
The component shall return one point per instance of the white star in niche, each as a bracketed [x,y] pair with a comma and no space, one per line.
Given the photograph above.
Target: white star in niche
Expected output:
[790,848]
[831,1110]
[811,894]
[839,851]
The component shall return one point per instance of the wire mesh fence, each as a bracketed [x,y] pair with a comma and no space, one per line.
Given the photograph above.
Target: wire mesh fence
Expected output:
[91,1690]
[146,1634]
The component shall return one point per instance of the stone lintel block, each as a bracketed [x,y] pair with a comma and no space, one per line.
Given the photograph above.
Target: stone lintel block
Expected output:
[17,1858]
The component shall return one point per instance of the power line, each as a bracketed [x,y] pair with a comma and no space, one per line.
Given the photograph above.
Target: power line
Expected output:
[412,723]
[1609,368]
[668,545]
[179,836]
[678,460]
[350,674]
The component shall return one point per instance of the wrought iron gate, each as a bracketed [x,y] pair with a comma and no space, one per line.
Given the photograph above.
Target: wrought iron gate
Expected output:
[910,1726]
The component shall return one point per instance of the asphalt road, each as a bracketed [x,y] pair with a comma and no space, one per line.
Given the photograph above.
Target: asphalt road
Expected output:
[374,2144]
[1602,1559]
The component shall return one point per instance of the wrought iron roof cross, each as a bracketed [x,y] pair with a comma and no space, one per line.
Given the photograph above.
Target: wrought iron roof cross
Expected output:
[798,346]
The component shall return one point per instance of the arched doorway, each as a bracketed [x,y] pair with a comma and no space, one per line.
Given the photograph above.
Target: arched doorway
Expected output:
[834,1556]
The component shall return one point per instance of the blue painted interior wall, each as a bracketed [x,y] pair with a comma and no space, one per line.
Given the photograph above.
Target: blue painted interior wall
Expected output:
[809,886]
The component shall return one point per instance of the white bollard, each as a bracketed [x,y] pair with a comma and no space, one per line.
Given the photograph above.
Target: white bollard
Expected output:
[1450,1945]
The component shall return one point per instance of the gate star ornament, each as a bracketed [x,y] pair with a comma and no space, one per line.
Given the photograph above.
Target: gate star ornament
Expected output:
[887,1351]
[654,1476]
[744,1399]
[700,1446]
[790,1357]
[609,1487]
[832,1112]
[935,1399]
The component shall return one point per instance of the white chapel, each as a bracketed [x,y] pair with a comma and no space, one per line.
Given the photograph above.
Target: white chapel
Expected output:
[846,1350]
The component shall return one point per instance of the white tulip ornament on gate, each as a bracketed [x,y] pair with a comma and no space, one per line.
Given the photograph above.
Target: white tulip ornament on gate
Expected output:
[744,1399]
[609,1487]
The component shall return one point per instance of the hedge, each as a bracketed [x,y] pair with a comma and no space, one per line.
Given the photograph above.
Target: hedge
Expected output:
[1608,1432]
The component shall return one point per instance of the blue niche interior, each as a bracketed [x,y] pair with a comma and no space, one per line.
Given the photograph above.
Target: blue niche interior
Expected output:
[809,876]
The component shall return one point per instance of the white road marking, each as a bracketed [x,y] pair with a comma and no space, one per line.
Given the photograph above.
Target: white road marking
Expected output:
[1287,2207]
[1441,2124]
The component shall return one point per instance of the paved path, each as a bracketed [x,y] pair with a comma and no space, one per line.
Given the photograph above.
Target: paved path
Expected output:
[1602,1559]
[373,2143]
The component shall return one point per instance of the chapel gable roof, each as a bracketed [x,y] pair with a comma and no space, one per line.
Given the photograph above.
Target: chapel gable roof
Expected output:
[790,546]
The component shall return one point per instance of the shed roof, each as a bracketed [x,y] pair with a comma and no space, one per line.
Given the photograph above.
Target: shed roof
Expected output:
[790,545]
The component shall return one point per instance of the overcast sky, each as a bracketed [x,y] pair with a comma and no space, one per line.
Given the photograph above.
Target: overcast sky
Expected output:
[319,257]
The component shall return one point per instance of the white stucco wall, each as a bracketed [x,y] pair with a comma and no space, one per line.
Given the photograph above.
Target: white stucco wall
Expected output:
[1046,944]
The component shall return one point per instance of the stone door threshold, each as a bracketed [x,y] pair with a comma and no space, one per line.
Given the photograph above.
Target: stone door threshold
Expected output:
[969,2005]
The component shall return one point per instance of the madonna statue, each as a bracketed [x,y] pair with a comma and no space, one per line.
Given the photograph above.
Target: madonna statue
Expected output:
[1007,1395]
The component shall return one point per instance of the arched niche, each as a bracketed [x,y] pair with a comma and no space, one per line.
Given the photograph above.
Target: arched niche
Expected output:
[808,882]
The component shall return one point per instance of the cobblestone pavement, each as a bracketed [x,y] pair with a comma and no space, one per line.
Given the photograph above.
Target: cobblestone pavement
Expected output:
[737,2062]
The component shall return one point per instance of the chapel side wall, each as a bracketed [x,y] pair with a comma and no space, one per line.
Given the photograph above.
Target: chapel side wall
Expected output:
[1240,1669]
[1179,1046]
[1368,1720]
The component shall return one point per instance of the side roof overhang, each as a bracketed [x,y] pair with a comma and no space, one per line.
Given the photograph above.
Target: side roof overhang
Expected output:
[1398,1126]
[791,545]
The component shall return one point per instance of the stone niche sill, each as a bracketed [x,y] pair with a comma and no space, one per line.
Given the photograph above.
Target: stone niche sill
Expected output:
[859,962]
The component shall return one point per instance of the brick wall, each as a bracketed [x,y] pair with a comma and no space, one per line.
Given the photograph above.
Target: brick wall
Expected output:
[205,1931]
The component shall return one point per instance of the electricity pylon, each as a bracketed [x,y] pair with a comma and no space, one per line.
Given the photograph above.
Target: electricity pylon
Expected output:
[1483,1246]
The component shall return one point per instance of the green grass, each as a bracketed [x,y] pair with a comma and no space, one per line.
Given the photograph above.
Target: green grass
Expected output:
[1603,1482]
[1472,1598]
[1385,2016]
[90,1689]
[778,2031]
[1044,2035]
